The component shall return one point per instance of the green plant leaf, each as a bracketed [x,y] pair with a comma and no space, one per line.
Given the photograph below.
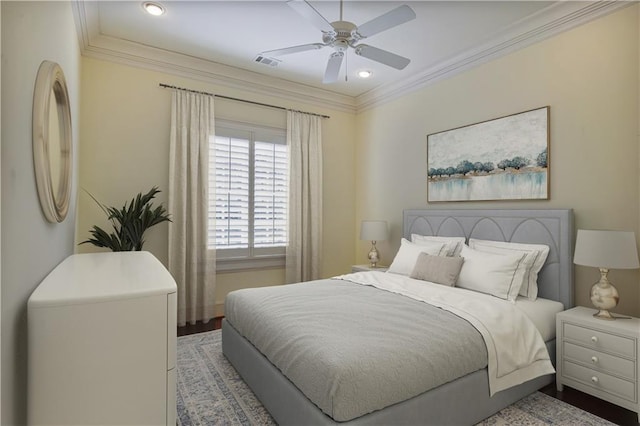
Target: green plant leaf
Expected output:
[129,222]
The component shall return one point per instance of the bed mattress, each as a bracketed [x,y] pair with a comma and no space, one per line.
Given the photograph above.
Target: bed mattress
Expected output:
[361,349]
[542,313]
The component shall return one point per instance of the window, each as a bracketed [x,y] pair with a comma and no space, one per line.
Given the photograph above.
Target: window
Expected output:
[249,181]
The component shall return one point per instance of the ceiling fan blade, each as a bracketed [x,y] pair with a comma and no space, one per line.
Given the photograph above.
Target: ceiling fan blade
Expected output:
[391,59]
[394,17]
[293,49]
[333,67]
[308,12]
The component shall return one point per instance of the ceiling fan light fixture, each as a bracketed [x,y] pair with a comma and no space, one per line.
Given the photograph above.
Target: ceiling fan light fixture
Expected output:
[364,73]
[152,8]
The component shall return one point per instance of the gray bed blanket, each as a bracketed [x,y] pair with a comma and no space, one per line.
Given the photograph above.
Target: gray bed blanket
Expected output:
[354,349]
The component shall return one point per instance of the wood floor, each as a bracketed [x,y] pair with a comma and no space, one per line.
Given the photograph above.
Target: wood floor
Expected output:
[199,327]
[593,405]
[600,408]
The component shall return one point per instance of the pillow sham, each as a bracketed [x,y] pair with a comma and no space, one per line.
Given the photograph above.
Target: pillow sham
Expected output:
[437,269]
[408,254]
[535,256]
[453,244]
[494,274]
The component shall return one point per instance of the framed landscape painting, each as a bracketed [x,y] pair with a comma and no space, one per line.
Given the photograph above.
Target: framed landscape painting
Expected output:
[502,159]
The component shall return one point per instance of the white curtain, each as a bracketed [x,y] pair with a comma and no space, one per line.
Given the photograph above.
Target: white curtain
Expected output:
[191,262]
[304,251]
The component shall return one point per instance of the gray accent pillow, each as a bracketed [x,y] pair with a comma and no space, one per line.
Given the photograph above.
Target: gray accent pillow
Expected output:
[437,269]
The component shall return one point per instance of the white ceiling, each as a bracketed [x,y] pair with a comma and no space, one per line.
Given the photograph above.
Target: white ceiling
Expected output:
[226,36]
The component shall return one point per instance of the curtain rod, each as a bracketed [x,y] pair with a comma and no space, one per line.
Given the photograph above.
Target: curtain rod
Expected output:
[167,86]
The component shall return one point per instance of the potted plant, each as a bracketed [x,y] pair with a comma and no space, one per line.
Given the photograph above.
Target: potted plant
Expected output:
[129,223]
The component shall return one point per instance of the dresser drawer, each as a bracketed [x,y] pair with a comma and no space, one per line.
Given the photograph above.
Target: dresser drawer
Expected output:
[601,381]
[599,340]
[601,361]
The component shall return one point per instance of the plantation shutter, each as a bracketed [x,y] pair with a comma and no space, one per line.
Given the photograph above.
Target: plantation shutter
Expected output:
[249,191]
[230,161]
[270,195]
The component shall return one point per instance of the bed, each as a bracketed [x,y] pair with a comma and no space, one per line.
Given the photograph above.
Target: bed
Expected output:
[465,400]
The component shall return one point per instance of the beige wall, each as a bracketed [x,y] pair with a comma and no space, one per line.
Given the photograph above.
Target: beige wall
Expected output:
[31,247]
[589,76]
[125,150]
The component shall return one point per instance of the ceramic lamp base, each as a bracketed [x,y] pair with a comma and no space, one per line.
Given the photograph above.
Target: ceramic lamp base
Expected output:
[373,255]
[604,315]
[604,296]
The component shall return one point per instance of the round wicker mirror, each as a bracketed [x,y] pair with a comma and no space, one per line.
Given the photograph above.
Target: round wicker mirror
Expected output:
[52,144]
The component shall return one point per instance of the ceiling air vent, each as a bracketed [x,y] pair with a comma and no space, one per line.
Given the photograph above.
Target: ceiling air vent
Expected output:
[272,62]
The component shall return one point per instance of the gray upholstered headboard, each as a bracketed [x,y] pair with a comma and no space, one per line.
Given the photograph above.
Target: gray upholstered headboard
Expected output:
[551,227]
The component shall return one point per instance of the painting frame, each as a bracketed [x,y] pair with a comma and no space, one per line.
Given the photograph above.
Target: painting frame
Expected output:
[500,159]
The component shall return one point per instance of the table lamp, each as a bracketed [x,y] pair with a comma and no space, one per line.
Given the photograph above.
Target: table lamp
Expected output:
[373,230]
[605,250]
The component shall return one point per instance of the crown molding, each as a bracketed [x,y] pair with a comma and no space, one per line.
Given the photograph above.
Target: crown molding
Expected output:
[95,45]
[197,69]
[558,17]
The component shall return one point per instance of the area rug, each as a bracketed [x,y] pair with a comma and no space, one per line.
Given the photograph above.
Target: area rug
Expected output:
[210,392]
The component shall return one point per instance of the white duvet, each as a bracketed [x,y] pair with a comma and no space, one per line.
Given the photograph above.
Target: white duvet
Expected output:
[516,351]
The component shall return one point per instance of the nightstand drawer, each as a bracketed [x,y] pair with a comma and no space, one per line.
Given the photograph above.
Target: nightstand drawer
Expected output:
[601,361]
[601,381]
[600,340]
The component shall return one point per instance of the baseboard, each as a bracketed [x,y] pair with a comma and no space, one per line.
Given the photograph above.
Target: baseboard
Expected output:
[219,310]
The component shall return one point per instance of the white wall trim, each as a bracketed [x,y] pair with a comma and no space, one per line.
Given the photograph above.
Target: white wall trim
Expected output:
[98,46]
[560,16]
[550,21]
[200,70]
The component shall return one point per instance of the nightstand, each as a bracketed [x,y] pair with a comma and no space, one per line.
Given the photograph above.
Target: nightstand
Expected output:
[366,268]
[599,357]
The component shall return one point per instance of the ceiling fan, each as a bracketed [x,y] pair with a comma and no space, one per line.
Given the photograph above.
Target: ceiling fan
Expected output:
[340,35]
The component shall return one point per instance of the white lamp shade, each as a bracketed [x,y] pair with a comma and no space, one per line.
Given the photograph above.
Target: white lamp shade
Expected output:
[373,230]
[606,249]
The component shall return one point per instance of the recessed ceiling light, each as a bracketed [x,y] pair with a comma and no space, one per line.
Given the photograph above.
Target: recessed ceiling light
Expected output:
[154,9]
[364,74]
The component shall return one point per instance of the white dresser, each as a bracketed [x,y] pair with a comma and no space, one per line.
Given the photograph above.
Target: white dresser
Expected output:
[599,357]
[102,342]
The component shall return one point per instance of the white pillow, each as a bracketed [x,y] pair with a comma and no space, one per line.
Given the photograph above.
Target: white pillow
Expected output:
[453,245]
[407,256]
[536,255]
[494,274]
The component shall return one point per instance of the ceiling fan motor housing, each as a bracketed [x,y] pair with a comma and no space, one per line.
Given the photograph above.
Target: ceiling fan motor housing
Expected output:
[344,35]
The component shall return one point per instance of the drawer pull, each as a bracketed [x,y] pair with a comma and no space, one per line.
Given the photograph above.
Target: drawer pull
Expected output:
[594,339]
[594,359]
[594,379]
